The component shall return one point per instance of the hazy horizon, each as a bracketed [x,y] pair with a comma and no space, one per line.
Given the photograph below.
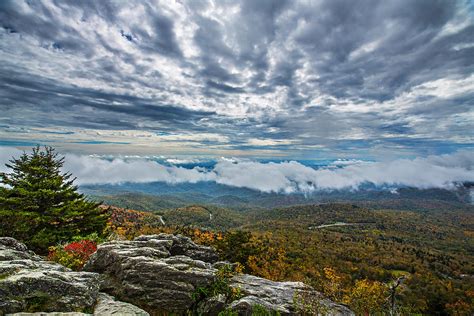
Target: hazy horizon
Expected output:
[270,175]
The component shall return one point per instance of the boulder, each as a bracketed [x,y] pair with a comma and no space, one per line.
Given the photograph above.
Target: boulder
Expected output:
[280,297]
[212,305]
[30,284]
[159,273]
[107,305]
[27,283]
[11,249]
[50,314]
[182,245]
[250,305]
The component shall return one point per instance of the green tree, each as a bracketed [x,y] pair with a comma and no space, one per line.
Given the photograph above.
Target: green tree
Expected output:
[40,205]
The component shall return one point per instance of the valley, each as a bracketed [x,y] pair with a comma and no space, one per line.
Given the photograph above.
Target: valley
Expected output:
[334,246]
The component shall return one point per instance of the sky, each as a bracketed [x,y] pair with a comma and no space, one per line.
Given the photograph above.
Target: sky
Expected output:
[373,80]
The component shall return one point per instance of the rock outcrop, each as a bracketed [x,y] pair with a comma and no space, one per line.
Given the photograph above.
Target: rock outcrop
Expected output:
[161,273]
[30,284]
[156,274]
[107,305]
[281,297]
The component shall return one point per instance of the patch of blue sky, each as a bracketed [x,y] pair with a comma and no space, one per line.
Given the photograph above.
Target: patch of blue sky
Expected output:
[19,143]
[431,147]
[162,133]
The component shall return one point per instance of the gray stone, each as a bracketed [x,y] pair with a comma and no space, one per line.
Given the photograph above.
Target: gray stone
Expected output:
[277,296]
[28,283]
[11,249]
[12,243]
[213,305]
[248,304]
[156,272]
[182,245]
[161,272]
[107,305]
[49,314]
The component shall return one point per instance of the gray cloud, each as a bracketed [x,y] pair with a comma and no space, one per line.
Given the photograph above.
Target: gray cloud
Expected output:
[74,106]
[324,74]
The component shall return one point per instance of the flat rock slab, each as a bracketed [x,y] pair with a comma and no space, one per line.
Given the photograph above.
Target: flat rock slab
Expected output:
[278,296]
[107,305]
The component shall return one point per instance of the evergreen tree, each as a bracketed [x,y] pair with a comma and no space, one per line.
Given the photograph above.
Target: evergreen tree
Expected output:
[40,205]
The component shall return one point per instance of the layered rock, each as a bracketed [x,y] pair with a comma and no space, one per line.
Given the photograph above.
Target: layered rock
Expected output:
[158,272]
[281,297]
[30,284]
[161,273]
[107,305]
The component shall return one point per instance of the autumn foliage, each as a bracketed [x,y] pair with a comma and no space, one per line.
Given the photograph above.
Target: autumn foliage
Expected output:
[73,255]
[352,267]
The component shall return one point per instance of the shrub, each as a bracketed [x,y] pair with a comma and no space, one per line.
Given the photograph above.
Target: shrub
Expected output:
[219,286]
[228,312]
[73,255]
[259,310]
[309,303]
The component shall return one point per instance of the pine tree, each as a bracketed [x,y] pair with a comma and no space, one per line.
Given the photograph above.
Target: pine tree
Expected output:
[40,205]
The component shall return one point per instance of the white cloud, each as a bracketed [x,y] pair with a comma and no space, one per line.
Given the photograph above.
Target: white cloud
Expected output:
[268,142]
[364,49]
[92,170]
[177,161]
[430,172]
[346,162]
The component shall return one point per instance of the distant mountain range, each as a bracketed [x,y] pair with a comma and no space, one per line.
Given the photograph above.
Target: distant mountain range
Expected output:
[161,195]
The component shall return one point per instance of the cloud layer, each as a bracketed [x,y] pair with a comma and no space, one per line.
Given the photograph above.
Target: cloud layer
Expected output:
[261,78]
[282,177]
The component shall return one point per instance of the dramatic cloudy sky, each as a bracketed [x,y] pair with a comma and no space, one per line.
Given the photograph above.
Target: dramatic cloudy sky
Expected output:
[289,79]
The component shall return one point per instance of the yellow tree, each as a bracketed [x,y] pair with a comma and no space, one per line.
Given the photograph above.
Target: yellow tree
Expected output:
[332,284]
[367,297]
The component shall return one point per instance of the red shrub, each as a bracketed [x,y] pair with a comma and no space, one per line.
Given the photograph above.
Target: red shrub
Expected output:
[73,255]
[81,249]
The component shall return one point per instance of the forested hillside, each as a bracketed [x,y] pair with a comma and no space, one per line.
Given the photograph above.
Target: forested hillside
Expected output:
[356,261]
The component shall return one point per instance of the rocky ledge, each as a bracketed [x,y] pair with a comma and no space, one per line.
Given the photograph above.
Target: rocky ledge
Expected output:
[30,284]
[158,274]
